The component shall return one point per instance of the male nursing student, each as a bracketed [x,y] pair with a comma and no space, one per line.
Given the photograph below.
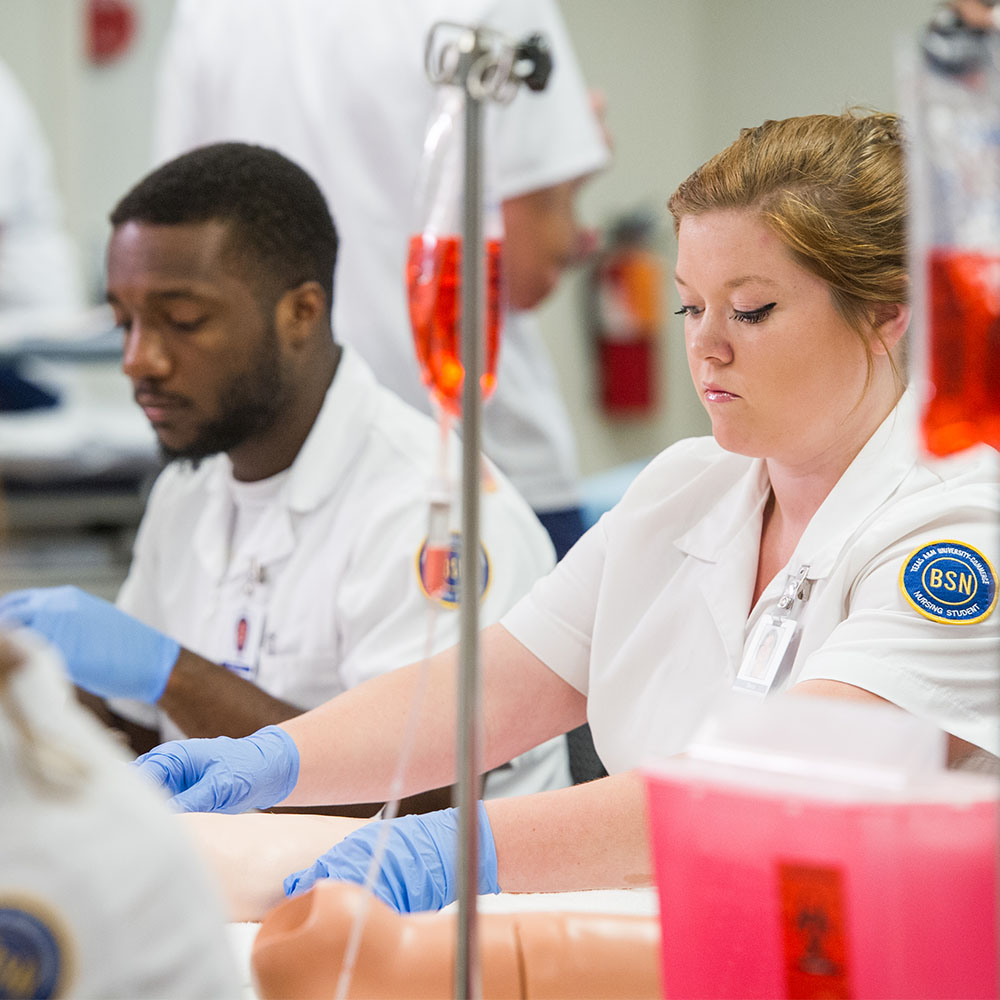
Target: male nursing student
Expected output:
[282,550]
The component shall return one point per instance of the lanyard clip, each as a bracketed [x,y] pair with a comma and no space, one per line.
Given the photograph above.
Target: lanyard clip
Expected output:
[256,574]
[797,590]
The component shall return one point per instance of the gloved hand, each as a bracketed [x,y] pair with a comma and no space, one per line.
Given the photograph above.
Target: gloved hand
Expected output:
[223,774]
[419,865]
[107,651]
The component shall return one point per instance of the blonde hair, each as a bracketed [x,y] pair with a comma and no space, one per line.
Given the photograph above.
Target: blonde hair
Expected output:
[832,189]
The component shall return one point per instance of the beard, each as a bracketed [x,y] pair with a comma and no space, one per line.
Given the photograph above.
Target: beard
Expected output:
[250,403]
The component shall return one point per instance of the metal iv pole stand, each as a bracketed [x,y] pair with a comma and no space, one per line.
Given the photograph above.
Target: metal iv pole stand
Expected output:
[467,972]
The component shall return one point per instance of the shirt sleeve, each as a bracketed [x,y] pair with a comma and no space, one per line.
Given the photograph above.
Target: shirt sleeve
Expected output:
[942,671]
[139,594]
[386,618]
[555,620]
[138,597]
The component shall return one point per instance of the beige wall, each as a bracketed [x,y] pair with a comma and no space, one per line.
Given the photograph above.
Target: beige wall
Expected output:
[681,77]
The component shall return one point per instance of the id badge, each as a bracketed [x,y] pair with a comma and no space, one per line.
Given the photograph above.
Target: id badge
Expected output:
[765,653]
[247,639]
[247,635]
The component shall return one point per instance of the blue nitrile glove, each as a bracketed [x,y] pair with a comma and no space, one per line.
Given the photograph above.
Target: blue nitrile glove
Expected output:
[107,651]
[223,774]
[419,864]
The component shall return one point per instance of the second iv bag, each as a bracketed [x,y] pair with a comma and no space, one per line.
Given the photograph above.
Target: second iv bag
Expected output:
[952,85]
[434,263]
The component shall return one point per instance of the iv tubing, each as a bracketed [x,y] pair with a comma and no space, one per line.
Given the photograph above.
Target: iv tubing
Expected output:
[437,548]
[471,67]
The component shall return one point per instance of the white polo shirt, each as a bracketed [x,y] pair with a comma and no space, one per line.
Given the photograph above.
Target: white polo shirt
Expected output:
[324,590]
[650,612]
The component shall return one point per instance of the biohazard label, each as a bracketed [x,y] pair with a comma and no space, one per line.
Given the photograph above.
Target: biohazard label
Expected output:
[813,932]
[32,961]
[949,581]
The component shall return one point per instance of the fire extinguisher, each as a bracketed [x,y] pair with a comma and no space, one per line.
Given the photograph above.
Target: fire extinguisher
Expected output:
[628,312]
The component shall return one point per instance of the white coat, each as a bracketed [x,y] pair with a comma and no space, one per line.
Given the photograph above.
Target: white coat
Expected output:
[649,614]
[326,591]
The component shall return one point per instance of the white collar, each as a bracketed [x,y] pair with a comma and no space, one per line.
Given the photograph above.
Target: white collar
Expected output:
[876,471]
[337,436]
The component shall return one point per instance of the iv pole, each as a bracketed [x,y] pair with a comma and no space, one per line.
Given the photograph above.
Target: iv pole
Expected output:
[488,67]
[467,973]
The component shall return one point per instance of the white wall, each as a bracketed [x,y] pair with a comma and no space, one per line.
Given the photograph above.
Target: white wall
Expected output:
[681,77]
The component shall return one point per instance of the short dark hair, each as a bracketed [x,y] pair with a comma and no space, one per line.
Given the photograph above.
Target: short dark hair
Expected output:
[278,214]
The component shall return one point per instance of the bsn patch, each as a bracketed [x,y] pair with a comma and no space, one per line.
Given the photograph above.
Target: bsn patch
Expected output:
[948,581]
[31,955]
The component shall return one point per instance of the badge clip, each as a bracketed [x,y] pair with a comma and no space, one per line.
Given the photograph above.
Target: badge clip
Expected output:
[770,641]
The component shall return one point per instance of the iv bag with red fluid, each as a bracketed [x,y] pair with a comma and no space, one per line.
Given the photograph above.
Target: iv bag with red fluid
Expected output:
[434,262]
[434,286]
[963,319]
[952,84]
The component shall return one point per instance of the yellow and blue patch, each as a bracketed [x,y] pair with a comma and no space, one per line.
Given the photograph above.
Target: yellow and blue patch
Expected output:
[948,581]
[32,959]
[450,597]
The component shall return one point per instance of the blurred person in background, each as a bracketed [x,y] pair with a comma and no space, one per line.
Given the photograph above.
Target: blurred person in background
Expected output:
[983,15]
[38,266]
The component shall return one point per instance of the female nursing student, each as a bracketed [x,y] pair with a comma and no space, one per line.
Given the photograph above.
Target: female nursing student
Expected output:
[791,275]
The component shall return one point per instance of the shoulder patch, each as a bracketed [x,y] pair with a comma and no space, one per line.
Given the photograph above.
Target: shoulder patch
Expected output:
[439,574]
[948,581]
[33,959]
